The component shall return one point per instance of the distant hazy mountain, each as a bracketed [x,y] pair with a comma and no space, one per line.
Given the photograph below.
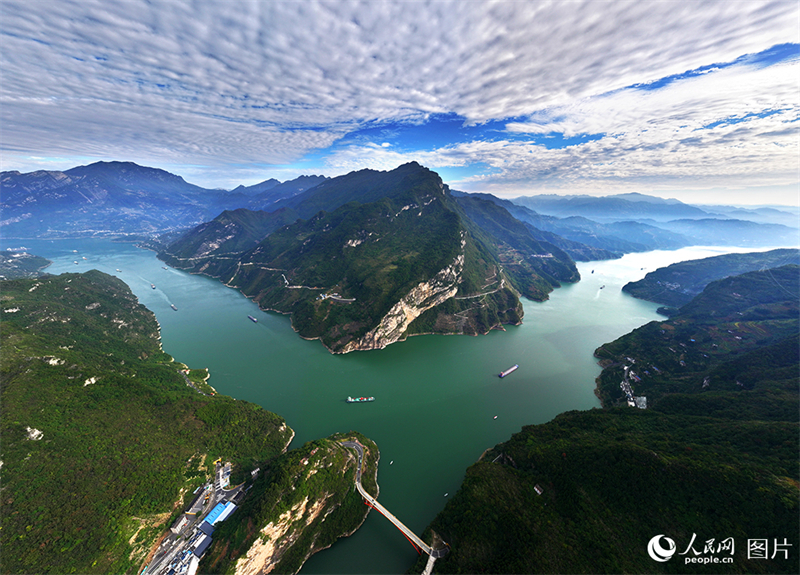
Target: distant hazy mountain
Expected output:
[637,197]
[729,232]
[637,222]
[614,208]
[578,251]
[105,197]
[281,191]
[121,198]
[375,256]
[679,283]
[587,240]
[256,188]
[763,215]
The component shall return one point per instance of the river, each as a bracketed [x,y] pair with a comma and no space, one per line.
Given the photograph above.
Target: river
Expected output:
[436,397]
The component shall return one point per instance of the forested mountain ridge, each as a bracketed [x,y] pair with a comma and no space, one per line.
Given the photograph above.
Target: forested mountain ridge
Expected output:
[676,284]
[102,443]
[396,255]
[217,237]
[700,350]
[714,455]
[610,480]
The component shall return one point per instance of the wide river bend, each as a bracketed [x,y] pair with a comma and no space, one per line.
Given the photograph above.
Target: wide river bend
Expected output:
[436,397]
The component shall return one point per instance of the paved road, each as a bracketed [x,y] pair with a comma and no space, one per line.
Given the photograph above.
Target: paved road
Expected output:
[435,553]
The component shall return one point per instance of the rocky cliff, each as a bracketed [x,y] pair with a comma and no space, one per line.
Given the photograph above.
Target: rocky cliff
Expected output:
[396,255]
[421,298]
[302,506]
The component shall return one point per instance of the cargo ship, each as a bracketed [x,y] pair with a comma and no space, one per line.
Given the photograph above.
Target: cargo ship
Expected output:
[252,318]
[359,399]
[172,305]
[511,369]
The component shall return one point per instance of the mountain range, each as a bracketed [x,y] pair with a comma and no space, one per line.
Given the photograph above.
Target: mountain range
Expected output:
[123,198]
[372,257]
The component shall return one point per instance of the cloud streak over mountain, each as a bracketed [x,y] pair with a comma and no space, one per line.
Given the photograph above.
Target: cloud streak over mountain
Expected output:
[563,97]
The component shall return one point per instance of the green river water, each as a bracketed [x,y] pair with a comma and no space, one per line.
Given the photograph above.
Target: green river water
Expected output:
[436,397]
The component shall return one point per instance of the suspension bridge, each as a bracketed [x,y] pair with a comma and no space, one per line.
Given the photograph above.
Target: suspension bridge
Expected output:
[418,543]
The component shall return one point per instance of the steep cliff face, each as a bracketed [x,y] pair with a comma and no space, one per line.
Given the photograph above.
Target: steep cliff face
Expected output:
[278,536]
[423,297]
[302,505]
[396,255]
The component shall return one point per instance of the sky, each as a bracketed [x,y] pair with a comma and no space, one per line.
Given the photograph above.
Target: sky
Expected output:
[699,101]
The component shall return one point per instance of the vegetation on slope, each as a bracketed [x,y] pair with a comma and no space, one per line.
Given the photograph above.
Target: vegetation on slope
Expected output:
[100,431]
[14,265]
[374,238]
[534,266]
[701,349]
[210,245]
[301,504]
[612,480]
[713,457]
[371,253]
[677,284]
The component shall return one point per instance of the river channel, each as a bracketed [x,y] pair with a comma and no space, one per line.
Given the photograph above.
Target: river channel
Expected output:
[436,397]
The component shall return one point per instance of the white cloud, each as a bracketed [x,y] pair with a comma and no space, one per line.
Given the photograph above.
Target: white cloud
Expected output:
[656,139]
[215,84]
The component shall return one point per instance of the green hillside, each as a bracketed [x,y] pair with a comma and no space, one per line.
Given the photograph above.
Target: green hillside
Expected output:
[612,480]
[210,245]
[677,284]
[714,455]
[100,442]
[387,254]
[754,315]
[301,505]
[14,265]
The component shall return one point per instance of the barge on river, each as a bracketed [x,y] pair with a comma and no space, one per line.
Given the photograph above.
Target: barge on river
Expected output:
[511,369]
[359,399]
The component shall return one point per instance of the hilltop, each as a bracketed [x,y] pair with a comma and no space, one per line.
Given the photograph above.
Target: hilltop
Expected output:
[372,257]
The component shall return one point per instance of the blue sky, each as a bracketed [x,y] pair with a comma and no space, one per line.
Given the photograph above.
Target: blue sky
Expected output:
[694,100]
